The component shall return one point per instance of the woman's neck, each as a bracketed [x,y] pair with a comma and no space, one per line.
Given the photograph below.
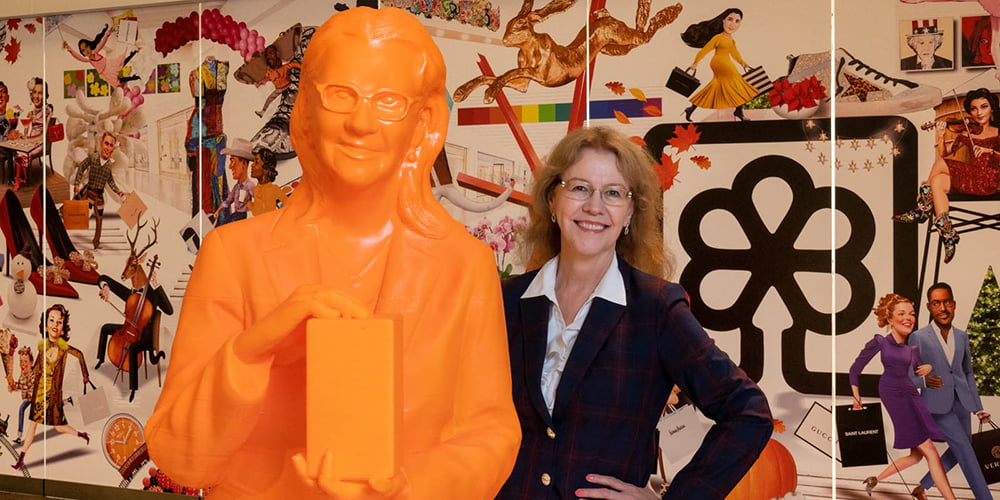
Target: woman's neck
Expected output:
[582,273]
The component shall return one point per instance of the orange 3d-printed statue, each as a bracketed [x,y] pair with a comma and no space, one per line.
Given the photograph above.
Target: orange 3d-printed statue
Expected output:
[362,235]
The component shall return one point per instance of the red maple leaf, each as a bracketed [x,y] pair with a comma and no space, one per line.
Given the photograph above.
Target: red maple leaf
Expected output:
[779,426]
[13,23]
[30,27]
[684,137]
[13,48]
[702,161]
[617,88]
[666,170]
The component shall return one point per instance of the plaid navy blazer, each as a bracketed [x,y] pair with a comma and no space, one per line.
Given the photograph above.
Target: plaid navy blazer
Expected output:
[615,384]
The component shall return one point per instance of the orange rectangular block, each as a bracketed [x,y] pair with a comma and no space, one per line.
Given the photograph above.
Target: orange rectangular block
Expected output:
[354,396]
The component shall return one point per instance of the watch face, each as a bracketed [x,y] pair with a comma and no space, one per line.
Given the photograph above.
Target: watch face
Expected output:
[122,436]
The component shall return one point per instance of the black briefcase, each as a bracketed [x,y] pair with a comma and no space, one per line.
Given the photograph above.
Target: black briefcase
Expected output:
[861,435]
[683,82]
[987,447]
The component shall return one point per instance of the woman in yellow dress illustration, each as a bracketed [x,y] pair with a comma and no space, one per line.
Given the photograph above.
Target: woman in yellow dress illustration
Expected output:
[50,368]
[727,89]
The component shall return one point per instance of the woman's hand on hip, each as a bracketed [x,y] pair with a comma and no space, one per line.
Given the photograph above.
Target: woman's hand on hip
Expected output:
[616,489]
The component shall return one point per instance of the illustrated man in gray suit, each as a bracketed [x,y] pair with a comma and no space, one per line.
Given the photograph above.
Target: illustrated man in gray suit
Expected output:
[950,389]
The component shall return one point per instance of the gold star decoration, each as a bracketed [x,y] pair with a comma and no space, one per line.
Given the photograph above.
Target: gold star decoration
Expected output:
[823,136]
[810,124]
[899,126]
[870,143]
[868,165]
[885,138]
[809,146]
[895,151]
[855,144]
[821,158]
[858,87]
[853,166]
[882,160]
[836,163]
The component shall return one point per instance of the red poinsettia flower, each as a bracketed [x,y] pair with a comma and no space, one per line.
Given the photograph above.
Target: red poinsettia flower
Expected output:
[802,94]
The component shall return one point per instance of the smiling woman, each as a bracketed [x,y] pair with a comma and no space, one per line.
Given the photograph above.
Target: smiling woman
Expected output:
[914,427]
[598,340]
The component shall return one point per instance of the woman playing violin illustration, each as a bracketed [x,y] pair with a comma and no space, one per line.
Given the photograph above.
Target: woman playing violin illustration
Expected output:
[980,175]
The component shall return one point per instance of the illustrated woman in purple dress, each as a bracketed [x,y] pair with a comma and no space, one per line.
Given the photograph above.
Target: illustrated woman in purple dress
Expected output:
[912,423]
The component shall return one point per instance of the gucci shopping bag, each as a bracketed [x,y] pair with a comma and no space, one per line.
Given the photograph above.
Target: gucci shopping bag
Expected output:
[987,447]
[861,435]
[815,429]
[681,432]
[682,81]
[758,79]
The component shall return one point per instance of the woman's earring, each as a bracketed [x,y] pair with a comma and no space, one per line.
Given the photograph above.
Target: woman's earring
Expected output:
[627,224]
[553,217]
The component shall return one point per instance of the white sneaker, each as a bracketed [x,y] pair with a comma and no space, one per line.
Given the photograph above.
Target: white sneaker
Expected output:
[862,90]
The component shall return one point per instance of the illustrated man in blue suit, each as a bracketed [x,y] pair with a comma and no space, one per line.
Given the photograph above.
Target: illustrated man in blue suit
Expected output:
[950,391]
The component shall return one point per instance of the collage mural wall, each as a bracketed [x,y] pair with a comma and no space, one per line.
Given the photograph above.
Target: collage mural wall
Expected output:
[780,216]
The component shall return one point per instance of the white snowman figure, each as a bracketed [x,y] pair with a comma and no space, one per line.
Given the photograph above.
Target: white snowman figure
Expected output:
[21,297]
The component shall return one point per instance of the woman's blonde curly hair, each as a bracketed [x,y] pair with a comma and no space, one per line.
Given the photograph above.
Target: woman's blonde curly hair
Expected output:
[883,311]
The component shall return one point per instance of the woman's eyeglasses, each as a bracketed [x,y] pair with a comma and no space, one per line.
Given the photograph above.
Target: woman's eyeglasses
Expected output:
[614,195]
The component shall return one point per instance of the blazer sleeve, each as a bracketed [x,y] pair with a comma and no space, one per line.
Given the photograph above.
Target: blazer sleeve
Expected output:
[190,434]
[970,377]
[721,390]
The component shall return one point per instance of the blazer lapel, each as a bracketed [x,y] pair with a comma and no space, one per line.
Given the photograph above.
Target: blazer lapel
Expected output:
[961,344]
[535,320]
[600,322]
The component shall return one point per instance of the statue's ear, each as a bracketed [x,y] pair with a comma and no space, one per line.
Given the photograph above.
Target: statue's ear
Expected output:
[432,127]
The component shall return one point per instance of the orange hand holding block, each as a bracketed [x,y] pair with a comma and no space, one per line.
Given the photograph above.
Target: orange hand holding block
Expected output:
[354,377]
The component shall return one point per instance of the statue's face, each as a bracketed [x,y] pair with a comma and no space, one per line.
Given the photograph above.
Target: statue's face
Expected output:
[365,108]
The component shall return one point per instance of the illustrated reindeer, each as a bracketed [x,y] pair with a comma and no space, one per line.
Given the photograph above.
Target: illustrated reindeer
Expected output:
[145,301]
[133,264]
[541,59]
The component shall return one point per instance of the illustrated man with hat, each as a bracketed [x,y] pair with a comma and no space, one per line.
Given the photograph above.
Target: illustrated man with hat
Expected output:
[925,40]
[240,154]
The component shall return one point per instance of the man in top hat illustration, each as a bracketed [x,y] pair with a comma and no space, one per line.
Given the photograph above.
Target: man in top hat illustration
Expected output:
[240,155]
[925,40]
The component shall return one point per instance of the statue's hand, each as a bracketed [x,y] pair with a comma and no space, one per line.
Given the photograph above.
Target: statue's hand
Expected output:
[263,339]
[329,482]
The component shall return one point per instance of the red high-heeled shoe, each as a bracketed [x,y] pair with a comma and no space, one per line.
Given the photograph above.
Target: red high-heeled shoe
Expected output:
[21,239]
[59,243]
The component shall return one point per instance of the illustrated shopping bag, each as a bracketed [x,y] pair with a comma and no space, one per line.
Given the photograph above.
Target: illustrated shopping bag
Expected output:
[861,435]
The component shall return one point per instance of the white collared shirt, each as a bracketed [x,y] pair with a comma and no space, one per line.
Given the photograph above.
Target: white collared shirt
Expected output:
[947,345]
[561,336]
